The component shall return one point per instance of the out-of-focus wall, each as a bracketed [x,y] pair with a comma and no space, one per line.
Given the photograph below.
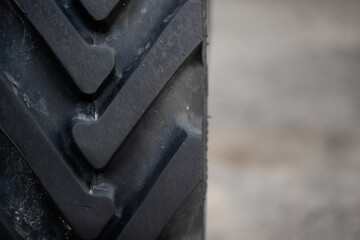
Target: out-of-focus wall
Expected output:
[284,132]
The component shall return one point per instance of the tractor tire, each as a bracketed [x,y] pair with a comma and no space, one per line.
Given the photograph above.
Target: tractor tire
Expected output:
[102,119]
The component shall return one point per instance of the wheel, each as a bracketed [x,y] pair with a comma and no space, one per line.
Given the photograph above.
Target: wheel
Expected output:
[102,119]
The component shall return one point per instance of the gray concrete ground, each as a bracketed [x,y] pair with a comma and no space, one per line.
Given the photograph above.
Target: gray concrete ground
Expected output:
[284,141]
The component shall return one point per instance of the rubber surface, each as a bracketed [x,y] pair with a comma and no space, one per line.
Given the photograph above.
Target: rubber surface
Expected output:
[102,119]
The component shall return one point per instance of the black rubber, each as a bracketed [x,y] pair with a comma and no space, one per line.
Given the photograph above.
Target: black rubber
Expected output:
[102,119]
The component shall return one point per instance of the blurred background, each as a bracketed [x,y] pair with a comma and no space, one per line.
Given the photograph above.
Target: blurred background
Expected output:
[284,132]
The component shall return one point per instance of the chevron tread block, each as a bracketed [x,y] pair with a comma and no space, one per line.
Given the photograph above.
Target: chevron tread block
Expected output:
[99,139]
[111,135]
[99,10]
[78,58]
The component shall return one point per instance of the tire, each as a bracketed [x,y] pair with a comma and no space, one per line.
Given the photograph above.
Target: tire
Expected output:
[102,119]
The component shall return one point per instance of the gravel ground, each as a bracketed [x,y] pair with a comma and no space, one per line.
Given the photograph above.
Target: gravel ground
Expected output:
[284,140]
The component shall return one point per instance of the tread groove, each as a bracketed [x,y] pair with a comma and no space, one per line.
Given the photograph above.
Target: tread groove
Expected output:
[172,187]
